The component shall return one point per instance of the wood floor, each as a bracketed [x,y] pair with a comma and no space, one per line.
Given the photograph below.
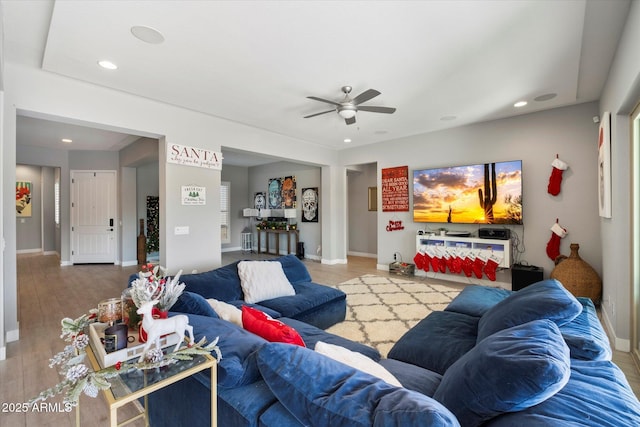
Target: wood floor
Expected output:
[48,292]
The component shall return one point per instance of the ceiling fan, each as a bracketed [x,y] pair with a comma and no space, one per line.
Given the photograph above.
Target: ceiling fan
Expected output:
[348,107]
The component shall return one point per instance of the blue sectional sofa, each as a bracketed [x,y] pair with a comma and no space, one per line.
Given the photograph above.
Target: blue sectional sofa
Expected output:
[536,357]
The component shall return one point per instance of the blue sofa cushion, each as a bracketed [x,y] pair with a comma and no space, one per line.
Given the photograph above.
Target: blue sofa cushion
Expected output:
[475,300]
[585,336]
[547,299]
[238,365]
[311,335]
[222,283]
[597,394]
[308,298]
[322,392]
[294,269]
[192,303]
[437,341]
[413,377]
[509,371]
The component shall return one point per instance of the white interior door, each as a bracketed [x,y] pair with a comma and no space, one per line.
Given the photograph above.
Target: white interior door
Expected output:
[93,216]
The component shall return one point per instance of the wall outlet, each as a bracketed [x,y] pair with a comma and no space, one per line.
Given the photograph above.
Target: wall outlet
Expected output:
[181,230]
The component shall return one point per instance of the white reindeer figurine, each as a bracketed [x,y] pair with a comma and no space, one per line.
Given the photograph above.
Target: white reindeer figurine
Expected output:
[155,328]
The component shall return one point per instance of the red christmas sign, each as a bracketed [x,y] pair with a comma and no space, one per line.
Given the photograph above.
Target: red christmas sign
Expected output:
[395,189]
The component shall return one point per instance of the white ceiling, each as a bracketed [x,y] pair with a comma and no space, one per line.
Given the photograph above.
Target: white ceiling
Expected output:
[255,62]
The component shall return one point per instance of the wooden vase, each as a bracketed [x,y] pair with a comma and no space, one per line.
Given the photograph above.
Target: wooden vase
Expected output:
[577,276]
[142,245]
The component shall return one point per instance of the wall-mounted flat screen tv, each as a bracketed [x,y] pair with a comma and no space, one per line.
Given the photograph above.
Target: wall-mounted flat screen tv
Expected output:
[489,193]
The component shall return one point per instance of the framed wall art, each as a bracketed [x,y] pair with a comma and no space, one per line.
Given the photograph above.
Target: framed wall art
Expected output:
[604,166]
[310,204]
[23,198]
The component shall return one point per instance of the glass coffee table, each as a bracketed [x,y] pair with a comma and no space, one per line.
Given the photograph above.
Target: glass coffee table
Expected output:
[134,384]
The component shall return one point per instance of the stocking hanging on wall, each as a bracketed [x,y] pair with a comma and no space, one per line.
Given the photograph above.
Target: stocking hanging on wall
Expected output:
[553,246]
[555,180]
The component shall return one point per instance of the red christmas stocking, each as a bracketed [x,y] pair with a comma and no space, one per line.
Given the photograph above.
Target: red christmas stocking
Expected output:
[448,256]
[479,264]
[553,246]
[555,180]
[420,259]
[433,257]
[457,262]
[492,265]
[442,262]
[467,263]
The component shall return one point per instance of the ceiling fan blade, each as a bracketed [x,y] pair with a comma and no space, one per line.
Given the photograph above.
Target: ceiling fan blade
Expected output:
[365,96]
[319,114]
[350,121]
[315,98]
[386,110]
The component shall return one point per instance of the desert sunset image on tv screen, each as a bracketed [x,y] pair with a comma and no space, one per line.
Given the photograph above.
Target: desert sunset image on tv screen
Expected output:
[488,193]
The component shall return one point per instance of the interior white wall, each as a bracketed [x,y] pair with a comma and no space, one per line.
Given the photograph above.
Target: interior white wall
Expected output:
[620,95]
[29,229]
[238,177]
[362,223]
[533,138]
[48,211]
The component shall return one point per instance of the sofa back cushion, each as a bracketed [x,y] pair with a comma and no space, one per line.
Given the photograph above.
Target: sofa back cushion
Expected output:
[437,341]
[547,299]
[509,371]
[295,269]
[192,303]
[238,365]
[322,392]
[475,300]
[585,335]
[222,283]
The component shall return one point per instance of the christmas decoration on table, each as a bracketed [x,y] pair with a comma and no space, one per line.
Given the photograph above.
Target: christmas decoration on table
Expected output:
[555,180]
[155,328]
[553,246]
[78,378]
[154,284]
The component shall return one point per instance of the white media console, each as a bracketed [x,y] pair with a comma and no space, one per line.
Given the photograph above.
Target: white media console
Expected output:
[501,248]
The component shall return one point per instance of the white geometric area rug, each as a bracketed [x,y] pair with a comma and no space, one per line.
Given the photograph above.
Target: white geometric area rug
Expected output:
[381,309]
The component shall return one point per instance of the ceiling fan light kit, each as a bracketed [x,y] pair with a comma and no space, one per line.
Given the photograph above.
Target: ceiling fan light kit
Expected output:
[348,107]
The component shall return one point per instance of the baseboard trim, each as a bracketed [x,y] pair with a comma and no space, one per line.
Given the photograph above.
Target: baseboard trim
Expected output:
[362,254]
[3,353]
[333,261]
[619,344]
[129,263]
[13,335]
[65,263]
[29,251]
[234,249]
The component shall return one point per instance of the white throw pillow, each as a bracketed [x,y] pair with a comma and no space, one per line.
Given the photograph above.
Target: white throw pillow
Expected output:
[226,311]
[263,280]
[356,360]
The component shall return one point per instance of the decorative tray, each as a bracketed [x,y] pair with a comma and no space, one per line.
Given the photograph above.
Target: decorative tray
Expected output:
[134,349]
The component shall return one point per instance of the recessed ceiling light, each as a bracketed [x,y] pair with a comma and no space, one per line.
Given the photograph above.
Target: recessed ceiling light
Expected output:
[67,140]
[108,65]
[147,34]
[347,140]
[447,118]
[545,97]
[520,104]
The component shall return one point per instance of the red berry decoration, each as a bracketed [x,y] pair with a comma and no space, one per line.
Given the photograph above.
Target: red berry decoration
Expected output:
[118,366]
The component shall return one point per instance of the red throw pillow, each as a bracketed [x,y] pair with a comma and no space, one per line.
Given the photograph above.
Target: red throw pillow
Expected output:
[259,323]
